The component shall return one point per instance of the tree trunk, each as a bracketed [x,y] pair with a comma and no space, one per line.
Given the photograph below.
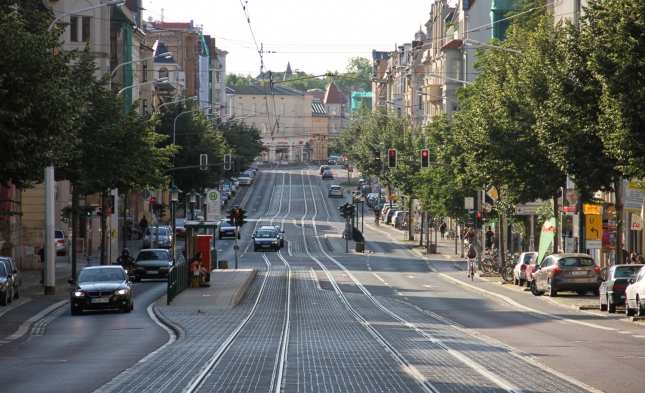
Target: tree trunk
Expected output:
[620,258]
[556,213]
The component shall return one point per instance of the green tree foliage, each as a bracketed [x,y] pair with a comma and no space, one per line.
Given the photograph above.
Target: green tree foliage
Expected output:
[37,107]
[244,140]
[239,79]
[357,67]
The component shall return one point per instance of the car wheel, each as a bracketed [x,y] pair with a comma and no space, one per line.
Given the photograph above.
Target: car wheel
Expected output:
[628,311]
[255,249]
[596,292]
[640,311]
[603,307]
[550,290]
[137,279]
[128,308]
[581,292]
[220,237]
[282,243]
[534,289]
[76,310]
[611,306]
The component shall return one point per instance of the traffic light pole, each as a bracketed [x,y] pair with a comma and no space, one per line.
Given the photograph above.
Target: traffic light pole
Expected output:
[237,245]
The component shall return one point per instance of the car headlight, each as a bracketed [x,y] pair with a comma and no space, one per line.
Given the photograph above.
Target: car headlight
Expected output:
[79,294]
[121,292]
[275,242]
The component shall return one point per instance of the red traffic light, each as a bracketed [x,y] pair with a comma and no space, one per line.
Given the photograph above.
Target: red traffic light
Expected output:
[392,153]
[424,153]
[479,215]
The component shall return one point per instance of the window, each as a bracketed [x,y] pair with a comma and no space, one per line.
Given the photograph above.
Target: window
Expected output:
[73,29]
[333,127]
[187,54]
[253,109]
[282,109]
[85,29]
[454,71]
[145,106]
[144,74]
[333,110]
[218,75]
[163,72]
[264,127]
[264,108]
[239,109]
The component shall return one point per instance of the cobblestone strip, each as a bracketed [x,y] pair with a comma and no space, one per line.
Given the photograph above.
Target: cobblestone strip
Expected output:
[205,329]
[330,351]
[249,363]
[485,352]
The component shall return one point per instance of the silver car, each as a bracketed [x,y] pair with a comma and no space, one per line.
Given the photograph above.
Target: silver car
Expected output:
[61,242]
[165,237]
[519,273]
[634,295]
[567,272]
[336,191]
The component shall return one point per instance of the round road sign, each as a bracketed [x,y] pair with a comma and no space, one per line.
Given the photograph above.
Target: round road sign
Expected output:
[153,200]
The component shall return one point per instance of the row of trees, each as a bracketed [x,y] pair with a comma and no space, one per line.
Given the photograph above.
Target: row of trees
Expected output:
[571,105]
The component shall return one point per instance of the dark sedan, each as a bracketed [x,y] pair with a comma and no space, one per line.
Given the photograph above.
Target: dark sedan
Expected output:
[266,239]
[566,272]
[225,229]
[17,280]
[328,175]
[155,263]
[6,284]
[101,288]
[612,288]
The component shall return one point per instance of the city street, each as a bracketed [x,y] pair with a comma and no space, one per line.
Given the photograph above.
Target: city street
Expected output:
[317,319]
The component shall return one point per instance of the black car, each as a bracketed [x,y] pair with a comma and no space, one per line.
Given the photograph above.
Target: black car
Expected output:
[154,263]
[6,284]
[225,229]
[266,239]
[278,232]
[17,280]
[612,288]
[101,288]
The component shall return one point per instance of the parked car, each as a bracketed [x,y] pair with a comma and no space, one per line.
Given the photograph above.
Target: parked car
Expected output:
[153,263]
[634,295]
[324,168]
[17,279]
[397,218]
[245,179]
[385,210]
[278,233]
[524,260]
[164,239]
[567,272]
[235,182]
[336,191]
[199,216]
[61,242]
[390,214]
[6,284]
[101,288]
[266,239]
[328,175]
[225,229]
[613,286]
[180,229]
[371,198]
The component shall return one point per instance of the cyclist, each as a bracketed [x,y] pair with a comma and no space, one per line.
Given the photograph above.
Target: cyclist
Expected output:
[472,260]
[125,260]
[377,213]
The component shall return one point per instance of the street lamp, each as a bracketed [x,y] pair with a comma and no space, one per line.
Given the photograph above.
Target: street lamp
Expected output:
[173,102]
[174,128]
[449,79]
[192,199]
[174,198]
[204,202]
[160,80]
[166,55]
[49,180]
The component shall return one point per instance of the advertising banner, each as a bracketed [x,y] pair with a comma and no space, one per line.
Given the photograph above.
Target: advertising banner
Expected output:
[549,229]
[634,196]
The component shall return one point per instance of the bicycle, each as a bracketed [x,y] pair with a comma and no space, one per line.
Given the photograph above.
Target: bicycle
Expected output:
[376,220]
[472,268]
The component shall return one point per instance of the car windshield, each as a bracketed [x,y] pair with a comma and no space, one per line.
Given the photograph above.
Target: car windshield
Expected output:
[153,231]
[327,172]
[576,261]
[59,234]
[153,256]
[265,235]
[626,271]
[225,224]
[3,272]
[335,188]
[101,275]
[244,175]
[180,222]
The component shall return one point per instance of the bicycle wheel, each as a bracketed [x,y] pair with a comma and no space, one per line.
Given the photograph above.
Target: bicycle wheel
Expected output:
[507,274]
[485,266]
[472,271]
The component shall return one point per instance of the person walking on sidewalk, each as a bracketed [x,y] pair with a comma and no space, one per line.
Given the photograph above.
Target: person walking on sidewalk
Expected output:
[41,259]
[442,229]
[490,235]
[472,260]
[143,225]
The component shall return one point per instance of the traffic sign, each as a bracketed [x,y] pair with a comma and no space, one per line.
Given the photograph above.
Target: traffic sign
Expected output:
[492,193]
[526,210]
[391,197]
[593,227]
[153,200]
[487,207]
[469,203]
[378,189]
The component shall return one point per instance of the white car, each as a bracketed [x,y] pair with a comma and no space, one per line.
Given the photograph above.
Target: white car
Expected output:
[245,179]
[235,182]
[523,261]
[635,295]
[335,190]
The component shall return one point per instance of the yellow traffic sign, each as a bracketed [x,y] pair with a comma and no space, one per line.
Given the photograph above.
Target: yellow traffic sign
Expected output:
[493,193]
[391,197]
[588,208]
[593,227]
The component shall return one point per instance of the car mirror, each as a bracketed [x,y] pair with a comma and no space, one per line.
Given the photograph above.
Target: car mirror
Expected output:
[71,281]
[631,281]
[132,278]
[282,232]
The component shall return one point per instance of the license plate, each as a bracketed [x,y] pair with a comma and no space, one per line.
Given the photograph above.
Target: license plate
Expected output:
[622,297]
[152,272]
[101,300]
[579,273]
[266,245]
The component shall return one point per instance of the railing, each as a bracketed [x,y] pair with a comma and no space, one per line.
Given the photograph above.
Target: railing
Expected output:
[178,279]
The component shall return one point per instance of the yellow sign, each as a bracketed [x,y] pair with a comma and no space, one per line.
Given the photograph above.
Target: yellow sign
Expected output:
[588,208]
[392,197]
[493,194]
[593,227]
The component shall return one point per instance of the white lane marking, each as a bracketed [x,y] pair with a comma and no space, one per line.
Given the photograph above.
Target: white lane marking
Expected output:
[522,307]
[22,329]
[377,276]
[638,336]
[410,276]
[625,332]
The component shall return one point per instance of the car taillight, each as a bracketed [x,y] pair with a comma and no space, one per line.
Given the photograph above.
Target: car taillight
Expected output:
[596,268]
[618,287]
[523,267]
[557,269]
[60,241]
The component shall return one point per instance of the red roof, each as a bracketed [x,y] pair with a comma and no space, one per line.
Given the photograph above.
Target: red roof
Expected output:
[454,44]
[331,95]
[171,25]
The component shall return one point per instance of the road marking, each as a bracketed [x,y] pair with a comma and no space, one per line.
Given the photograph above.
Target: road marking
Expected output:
[22,329]
[410,276]
[625,332]
[377,276]
[522,307]
[638,336]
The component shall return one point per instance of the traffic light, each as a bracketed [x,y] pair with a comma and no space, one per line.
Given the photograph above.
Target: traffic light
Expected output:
[377,161]
[471,220]
[64,213]
[87,211]
[342,209]
[227,162]
[162,209]
[479,219]
[351,210]
[240,216]
[230,218]
[391,158]
[203,162]
[425,158]
[238,164]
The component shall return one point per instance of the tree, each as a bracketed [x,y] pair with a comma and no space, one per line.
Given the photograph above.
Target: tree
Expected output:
[357,67]
[37,108]
[243,139]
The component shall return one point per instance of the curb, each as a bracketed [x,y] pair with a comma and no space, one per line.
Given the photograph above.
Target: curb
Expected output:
[179,332]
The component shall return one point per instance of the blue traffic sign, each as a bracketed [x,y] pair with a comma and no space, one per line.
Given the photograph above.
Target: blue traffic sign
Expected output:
[378,189]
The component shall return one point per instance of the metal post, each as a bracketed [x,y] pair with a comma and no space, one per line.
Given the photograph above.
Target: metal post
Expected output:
[477,230]
[159,200]
[173,206]
[532,242]
[346,236]
[362,216]
[50,251]
[237,245]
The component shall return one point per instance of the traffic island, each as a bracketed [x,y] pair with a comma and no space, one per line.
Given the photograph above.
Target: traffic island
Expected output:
[227,286]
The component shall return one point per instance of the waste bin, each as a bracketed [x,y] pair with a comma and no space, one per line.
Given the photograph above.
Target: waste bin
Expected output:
[432,249]
[222,264]
[360,247]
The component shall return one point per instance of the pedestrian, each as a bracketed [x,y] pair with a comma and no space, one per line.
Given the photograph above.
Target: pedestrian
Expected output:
[640,259]
[41,259]
[442,229]
[143,225]
[197,269]
[633,259]
[490,235]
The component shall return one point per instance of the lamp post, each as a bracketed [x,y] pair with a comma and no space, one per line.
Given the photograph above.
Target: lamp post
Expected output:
[450,79]
[166,55]
[49,180]
[160,80]
[204,207]
[174,128]
[192,199]
[174,198]
[173,102]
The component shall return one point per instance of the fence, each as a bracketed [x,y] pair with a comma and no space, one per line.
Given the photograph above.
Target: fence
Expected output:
[178,279]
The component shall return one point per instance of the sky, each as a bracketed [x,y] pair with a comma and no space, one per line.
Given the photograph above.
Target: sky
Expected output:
[314,36]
